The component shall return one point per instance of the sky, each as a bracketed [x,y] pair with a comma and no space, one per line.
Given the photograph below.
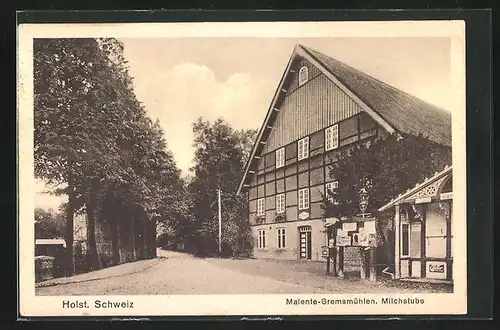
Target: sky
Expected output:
[181,79]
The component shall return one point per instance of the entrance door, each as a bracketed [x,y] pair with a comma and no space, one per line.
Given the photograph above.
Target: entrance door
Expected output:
[305,242]
[438,241]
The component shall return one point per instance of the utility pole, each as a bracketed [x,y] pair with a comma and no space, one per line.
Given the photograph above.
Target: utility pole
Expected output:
[220,226]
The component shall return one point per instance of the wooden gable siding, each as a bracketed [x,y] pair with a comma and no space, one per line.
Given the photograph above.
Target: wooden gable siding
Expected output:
[313,72]
[316,105]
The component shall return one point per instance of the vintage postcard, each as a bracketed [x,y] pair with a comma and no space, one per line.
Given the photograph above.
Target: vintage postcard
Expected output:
[244,168]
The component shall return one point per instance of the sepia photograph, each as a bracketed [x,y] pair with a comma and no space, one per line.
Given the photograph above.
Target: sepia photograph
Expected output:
[210,163]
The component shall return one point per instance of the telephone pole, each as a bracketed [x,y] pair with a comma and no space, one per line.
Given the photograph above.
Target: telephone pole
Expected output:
[220,225]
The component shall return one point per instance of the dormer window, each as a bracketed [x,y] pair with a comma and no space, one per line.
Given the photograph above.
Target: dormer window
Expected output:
[303,75]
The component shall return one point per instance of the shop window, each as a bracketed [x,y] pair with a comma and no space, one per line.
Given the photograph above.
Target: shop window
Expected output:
[262,239]
[281,238]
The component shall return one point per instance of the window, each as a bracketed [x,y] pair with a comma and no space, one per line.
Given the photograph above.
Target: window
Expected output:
[303,148]
[405,240]
[303,75]
[304,199]
[280,203]
[330,187]
[281,238]
[280,157]
[332,137]
[260,206]
[262,239]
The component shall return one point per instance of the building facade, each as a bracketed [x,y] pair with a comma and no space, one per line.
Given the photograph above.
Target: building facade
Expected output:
[320,110]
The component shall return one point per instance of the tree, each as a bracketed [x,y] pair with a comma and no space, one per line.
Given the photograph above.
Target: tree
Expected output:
[49,225]
[65,74]
[219,163]
[94,137]
[385,167]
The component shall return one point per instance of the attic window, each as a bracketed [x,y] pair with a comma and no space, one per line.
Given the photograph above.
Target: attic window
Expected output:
[303,75]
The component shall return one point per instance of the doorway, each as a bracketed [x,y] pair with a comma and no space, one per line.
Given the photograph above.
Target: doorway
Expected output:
[305,243]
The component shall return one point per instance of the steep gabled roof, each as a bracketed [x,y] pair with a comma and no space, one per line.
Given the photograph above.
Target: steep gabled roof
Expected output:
[403,111]
[391,108]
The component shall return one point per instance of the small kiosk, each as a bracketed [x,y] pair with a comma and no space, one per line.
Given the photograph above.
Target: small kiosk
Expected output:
[423,236]
[358,231]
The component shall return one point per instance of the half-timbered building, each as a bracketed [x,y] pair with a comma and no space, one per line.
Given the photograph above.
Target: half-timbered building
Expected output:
[321,108]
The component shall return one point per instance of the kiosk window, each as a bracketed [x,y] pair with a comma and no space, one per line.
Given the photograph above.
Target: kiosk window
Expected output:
[405,240]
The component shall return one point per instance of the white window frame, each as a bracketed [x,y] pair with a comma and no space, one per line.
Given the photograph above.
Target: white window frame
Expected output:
[330,186]
[303,75]
[261,206]
[281,236]
[280,157]
[304,199]
[409,239]
[280,203]
[303,148]
[332,137]
[261,239]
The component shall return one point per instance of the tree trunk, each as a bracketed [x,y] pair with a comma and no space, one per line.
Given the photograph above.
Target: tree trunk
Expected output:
[123,235]
[113,219]
[69,232]
[92,215]
[132,238]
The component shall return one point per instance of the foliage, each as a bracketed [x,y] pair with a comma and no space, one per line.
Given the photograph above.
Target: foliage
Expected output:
[220,157]
[385,167]
[49,224]
[280,217]
[93,137]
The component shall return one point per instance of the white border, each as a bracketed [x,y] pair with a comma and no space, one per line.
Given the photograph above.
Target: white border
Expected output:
[31,305]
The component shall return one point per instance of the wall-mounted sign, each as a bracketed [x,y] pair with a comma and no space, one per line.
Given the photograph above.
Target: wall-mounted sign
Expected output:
[446,195]
[303,215]
[349,226]
[436,268]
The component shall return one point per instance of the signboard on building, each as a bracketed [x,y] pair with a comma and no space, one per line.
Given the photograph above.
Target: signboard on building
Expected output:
[369,227]
[436,269]
[343,240]
[303,215]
